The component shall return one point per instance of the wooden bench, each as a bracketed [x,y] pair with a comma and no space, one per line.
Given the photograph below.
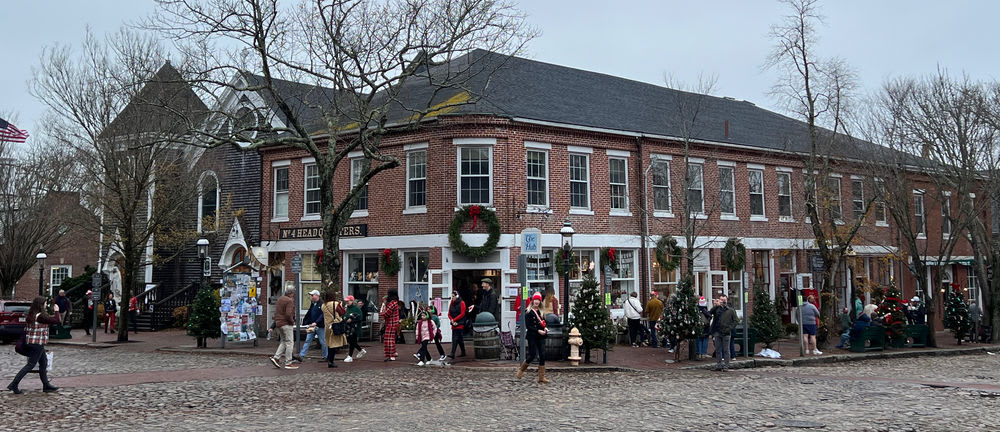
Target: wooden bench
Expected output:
[916,335]
[871,339]
[738,341]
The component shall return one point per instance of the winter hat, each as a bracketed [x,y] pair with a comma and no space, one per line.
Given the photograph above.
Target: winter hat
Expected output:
[537,296]
[89,292]
[349,298]
[702,301]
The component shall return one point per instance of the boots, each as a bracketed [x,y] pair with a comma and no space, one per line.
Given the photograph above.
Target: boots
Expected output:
[541,375]
[520,370]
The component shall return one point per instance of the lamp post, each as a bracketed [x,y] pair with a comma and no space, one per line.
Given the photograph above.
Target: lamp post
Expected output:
[567,248]
[41,271]
[206,269]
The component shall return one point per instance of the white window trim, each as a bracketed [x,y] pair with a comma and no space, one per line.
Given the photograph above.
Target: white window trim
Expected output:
[357,213]
[305,193]
[475,142]
[312,217]
[788,171]
[418,209]
[580,149]
[840,198]
[763,196]
[755,166]
[274,191]
[699,214]
[538,208]
[660,157]
[662,214]
[467,142]
[728,217]
[923,213]
[627,210]
[618,153]
[784,169]
[696,160]
[201,190]
[946,204]
[732,175]
[308,160]
[535,145]
[669,212]
[415,146]
[726,163]
[281,163]
[52,269]
[581,210]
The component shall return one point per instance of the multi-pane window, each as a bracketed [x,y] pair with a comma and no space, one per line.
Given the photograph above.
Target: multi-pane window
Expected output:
[727,193]
[946,216]
[362,277]
[416,178]
[919,219]
[664,282]
[880,213]
[58,274]
[579,181]
[357,168]
[619,183]
[661,185]
[762,267]
[415,282]
[538,178]
[696,188]
[756,192]
[281,192]
[858,198]
[973,285]
[785,195]
[833,198]
[209,203]
[475,172]
[312,190]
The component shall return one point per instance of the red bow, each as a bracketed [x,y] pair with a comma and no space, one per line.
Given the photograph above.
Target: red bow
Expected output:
[387,253]
[475,211]
[319,257]
[611,254]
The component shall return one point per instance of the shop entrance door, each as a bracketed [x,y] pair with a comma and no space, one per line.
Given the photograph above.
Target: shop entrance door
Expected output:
[466,284]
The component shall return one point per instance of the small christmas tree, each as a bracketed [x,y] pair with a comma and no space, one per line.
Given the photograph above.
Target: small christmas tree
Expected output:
[891,312]
[680,319]
[764,318]
[204,321]
[956,315]
[591,317]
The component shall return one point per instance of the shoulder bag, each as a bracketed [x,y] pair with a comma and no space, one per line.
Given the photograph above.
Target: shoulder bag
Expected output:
[337,327]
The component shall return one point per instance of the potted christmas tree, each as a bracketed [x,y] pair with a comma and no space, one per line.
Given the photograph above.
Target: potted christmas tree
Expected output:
[204,321]
[591,317]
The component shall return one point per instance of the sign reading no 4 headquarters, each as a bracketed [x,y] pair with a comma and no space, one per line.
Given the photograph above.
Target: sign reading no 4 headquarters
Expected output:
[359,230]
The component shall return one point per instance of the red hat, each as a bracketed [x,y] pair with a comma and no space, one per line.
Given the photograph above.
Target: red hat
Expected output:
[537,296]
[349,298]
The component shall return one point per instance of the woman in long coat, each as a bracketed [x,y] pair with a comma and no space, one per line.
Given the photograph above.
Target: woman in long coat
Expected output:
[390,319]
[333,312]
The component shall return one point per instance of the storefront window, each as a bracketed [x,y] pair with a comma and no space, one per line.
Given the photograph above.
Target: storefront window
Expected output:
[310,278]
[362,276]
[664,282]
[762,267]
[734,286]
[540,272]
[415,287]
[584,259]
[623,283]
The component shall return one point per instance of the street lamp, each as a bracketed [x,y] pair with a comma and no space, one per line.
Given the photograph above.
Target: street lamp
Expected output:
[567,248]
[41,270]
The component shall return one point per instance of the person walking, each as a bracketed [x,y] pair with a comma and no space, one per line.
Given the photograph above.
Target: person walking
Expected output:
[633,313]
[437,335]
[425,332]
[654,308]
[456,314]
[975,318]
[810,316]
[723,323]
[133,314]
[64,308]
[284,322]
[110,309]
[353,320]
[315,327]
[36,335]
[550,304]
[535,333]
[333,315]
[88,321]
[706,329]
[389,312]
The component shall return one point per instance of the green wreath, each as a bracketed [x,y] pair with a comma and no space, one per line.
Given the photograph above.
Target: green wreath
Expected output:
[609,258]
[734,255]
[390,262]
[668,254]
[474,212]
[559,257]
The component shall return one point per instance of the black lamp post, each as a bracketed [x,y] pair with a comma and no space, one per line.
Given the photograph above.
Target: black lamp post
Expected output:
[567,248]
[206,268]
[41,271]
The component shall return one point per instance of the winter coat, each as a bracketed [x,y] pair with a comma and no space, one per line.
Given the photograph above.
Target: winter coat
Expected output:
[284,311]
[723,320]
[456,314]
[354,319]
[654,307]
[863,322]
[706,328]
[534,322]
[425,330]
[333,312]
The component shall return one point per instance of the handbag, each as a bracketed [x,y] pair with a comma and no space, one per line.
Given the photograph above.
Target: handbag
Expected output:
[21,346]
[338,328]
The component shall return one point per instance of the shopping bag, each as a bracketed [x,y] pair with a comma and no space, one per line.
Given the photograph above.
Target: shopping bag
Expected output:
[48,357]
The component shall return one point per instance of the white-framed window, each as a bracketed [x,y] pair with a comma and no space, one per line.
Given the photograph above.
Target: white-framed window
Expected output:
[59,273]
[756,179]
[415,280]
[475,175]
[919,216]
[661,185]
[357,168]
[623,283]
[833,198]
[618,179]
[881,218]
[696,188]
[208,202]
[734,286]
[579,181]
[540,274]
[665,282]
[858,198]
[583,259]
[312,196]
[785,195]
[362,277]
[416,179]
[946,216]
[311,279]
[972,282]
[538,178]
[727,191]
[280,193]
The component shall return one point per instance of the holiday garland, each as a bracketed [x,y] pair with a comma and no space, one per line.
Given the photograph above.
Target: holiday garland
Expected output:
[474,212]
[390,262]
[734,255]
[560,261]
[668,254]
[609,258]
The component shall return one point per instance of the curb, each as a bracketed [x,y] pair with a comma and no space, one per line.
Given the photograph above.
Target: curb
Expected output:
[95,345]
[840,358]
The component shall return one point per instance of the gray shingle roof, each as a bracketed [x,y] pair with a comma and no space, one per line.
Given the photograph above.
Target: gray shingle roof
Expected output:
[165,104]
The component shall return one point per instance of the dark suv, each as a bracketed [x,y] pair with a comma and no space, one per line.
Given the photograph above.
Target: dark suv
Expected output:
[12,314]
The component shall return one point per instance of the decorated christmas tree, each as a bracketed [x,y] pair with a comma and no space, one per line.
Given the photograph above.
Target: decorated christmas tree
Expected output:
[204,322]
[956,315]
[680,319]
[764,318]
[892,314]
[591,317]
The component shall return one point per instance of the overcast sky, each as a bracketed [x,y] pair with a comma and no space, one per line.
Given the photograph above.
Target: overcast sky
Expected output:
[640,40]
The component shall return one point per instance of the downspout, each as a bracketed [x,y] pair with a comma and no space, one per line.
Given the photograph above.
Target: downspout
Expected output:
[644,274]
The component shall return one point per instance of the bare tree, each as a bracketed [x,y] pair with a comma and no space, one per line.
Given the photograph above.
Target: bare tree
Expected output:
[125,117]
[341,75]
[818,92]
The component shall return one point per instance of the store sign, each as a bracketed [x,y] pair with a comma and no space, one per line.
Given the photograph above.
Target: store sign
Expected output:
[357,230]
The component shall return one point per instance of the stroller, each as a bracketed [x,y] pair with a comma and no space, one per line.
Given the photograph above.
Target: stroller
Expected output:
[508,347]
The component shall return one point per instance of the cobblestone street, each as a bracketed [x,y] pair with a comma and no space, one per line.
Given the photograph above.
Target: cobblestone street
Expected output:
[199,392]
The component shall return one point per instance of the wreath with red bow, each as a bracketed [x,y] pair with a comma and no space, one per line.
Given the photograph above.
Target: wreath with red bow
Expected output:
[476,213]
[609,258]
[390,262]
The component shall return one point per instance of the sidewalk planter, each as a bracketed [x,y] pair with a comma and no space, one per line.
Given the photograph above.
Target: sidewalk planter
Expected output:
[409,336]
[872,339]
[916,335]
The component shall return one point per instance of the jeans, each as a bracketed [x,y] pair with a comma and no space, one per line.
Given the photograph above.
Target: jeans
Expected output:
[133,316]
[844,337]
[423,354]
[36,355]
[702,345]
[634,332]
[652,334]
[457,341]
[286,345]
[722,349]
[321,333]
[536,347]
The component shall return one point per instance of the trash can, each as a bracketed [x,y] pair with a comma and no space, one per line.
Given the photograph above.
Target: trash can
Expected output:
[555,345]
[486,337]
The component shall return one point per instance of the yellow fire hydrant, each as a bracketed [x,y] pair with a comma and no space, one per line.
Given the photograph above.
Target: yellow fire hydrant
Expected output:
[574,346]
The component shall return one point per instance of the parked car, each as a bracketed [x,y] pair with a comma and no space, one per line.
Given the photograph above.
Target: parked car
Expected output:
[12,317]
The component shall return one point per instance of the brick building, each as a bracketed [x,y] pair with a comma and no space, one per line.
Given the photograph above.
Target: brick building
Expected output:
[550,143]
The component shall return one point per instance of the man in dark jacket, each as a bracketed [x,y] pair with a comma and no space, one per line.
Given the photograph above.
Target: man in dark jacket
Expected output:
[488,301]
[64,307]
[723,323]
[314,320]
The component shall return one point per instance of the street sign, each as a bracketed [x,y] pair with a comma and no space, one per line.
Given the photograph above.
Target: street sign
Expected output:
[817,263]
[297,264]
[206,267]
[95,282]
[531,241]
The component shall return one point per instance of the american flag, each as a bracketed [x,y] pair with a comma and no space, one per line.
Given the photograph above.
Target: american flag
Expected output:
[10,133]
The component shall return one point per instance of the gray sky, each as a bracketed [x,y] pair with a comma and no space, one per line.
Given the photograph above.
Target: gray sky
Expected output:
[640,40]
